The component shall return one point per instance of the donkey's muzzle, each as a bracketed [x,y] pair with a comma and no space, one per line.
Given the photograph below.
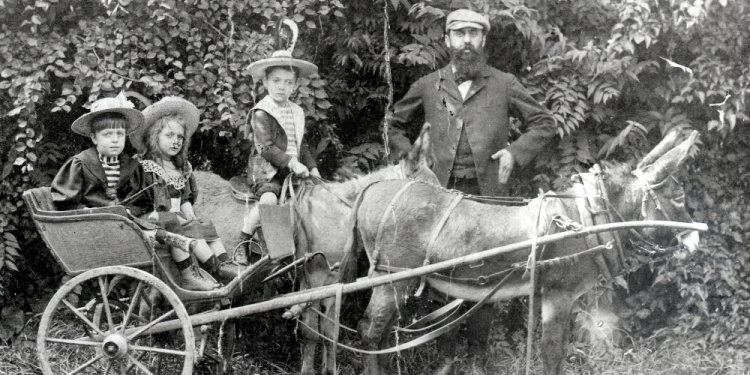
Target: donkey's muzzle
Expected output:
[689,240]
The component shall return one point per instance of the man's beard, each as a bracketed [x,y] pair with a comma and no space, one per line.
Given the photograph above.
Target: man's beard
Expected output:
[468,61]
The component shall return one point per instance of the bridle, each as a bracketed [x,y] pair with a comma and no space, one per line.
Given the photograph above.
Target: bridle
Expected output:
[649,193]
[594,208]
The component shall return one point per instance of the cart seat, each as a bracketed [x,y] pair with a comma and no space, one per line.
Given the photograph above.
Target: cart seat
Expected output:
[88,238]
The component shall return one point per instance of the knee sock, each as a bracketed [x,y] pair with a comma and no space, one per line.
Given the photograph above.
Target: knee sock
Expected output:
[212,263]
[184,264]
[245,236]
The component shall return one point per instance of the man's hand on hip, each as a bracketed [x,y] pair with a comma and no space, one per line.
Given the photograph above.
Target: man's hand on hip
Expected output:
[506,165]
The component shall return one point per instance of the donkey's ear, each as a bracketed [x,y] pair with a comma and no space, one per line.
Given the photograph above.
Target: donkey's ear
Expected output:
[420,151]
[671,161]
[666,144]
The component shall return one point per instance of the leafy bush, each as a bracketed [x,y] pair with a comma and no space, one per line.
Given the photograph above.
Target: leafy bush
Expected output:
[617,74]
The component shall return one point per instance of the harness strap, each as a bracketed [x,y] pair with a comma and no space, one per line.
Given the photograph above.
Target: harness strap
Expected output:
[422,339]
[649,193]
[592,211]
[479,280]
[608,217]
[444,313]
[433,236]
[423,324]
[285,188]
[571,259]
[532,271]
[381,225]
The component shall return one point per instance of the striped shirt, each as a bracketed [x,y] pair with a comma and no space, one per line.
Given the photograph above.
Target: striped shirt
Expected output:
[111,167]
[287,119]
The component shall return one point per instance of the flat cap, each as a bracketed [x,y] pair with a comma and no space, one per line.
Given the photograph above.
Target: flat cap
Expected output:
[461,18]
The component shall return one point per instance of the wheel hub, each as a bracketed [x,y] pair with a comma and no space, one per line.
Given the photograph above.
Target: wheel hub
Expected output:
[115,346]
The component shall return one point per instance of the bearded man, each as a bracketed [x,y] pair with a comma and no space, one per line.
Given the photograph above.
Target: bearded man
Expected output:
[468,104]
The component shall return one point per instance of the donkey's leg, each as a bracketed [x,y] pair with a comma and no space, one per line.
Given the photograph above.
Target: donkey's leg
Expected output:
[310,340]
[557,307]
[375,326]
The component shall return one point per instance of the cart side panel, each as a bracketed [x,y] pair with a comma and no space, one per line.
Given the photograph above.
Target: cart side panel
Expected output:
[86,244]
[89,238]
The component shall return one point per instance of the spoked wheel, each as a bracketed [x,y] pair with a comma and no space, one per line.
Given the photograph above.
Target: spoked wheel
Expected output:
[100,322]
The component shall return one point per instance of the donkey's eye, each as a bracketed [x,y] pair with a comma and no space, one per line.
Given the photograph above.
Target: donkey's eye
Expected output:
[679,200]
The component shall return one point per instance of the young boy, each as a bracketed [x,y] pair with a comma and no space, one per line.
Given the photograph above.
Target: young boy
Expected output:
[103,176]
[100,176]
[278,129]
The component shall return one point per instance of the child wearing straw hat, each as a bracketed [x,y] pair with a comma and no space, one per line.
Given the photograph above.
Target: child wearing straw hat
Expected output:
[163,143]
[278,130]
[101,175]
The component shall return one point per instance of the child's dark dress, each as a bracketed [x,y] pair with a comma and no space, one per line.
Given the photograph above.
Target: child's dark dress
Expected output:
[168,193]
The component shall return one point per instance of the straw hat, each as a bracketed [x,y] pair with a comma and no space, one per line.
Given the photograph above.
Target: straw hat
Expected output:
[184,111]
[119,104]
[283,58]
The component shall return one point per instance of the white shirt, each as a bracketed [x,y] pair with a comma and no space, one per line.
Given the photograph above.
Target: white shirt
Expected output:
[464,87]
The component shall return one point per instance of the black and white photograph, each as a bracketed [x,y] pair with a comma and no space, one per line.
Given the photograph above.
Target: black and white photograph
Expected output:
[376,187]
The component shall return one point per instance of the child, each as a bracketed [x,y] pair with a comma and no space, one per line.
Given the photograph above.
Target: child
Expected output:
[163,142]
[278,129]
[101,175]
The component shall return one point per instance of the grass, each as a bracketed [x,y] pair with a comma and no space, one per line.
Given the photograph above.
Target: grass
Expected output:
[268,345]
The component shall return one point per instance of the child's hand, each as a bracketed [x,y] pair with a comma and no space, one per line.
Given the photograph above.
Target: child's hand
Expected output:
[299,169]
[315,172]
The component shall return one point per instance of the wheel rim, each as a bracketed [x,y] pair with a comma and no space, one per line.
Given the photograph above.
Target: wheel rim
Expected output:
[98,323]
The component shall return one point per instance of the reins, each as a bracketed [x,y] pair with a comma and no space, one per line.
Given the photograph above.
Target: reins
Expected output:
[324,184]
[318,181]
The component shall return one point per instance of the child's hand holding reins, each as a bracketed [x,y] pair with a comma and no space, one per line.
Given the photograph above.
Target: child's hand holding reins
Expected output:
[299,169]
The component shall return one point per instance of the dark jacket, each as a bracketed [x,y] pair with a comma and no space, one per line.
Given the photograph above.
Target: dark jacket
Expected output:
[271,141]
[492,98]
[81,182]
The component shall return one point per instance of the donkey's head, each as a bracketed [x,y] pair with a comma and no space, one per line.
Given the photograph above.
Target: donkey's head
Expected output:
[662,196]
[415,165]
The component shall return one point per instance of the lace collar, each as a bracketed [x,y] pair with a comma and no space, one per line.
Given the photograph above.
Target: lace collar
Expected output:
[178,181]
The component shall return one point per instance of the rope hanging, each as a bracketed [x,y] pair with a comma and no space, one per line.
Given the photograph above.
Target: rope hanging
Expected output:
[389,79]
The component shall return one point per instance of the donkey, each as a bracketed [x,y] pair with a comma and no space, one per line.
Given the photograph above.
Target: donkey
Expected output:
[322,210]
[424,223]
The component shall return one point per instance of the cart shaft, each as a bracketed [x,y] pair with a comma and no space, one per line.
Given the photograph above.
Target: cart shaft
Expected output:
[319,293]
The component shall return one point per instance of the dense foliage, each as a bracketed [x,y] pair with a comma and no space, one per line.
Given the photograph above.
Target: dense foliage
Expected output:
[617,74]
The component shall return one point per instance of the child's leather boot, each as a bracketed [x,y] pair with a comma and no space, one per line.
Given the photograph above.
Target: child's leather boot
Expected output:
[195,278]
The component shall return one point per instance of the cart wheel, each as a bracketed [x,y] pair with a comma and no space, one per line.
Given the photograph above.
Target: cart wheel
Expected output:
[99,321]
